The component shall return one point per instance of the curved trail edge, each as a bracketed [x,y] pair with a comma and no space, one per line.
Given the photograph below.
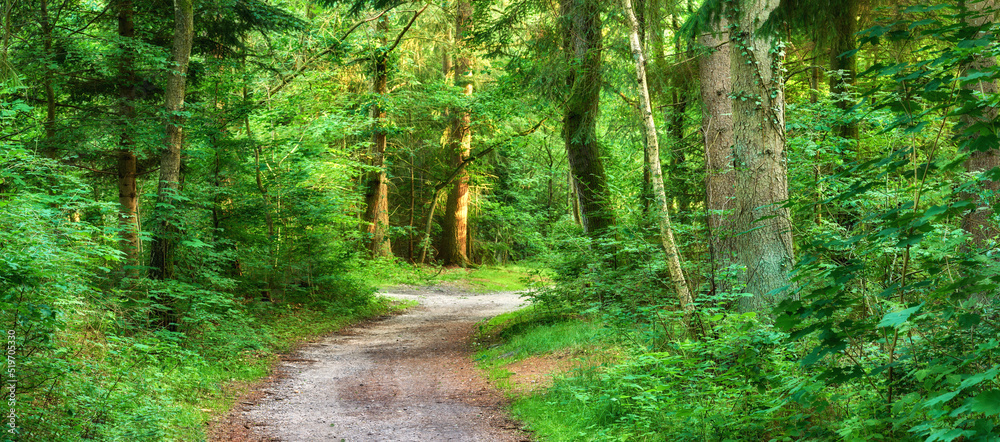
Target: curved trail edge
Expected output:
[404,378]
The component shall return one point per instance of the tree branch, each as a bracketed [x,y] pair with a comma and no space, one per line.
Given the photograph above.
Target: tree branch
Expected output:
[312,60]
[399,37]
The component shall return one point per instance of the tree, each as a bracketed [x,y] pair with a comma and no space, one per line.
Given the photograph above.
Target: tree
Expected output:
[377,182]
[128,194]
[655,174]
[164,242]
[717,129]
[455,231]
[581,37]
[376,214]
[764,241]
[843,59]
[979,222]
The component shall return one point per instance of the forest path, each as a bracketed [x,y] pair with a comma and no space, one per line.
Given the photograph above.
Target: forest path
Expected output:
[404,378]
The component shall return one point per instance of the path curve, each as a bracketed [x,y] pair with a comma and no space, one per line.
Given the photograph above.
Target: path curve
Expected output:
[405,378]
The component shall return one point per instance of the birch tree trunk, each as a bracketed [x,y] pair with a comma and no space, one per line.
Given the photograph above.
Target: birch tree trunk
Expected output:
[655,174]
[165,239]
[764,241]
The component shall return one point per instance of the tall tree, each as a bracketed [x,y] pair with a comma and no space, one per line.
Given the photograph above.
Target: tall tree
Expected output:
[164,241]
[459,147]
[377,181]
[128,195]
[764,243]
[843,60]
[655,174]
[979,222]
[582,30]
[48,78]
[832,25]
[717,129]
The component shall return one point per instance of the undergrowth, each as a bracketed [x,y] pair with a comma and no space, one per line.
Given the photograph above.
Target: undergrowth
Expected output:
[123,383]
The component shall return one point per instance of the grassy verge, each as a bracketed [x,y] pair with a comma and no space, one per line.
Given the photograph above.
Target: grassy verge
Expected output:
[721,387]
[127,383]
[478,279]
[524,351]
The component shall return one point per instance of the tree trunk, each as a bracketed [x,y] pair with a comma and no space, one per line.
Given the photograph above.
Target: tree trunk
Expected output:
[455,229]
[128,195]
[844,64]
[165,239]
[377,185]
[656,175]
[979,222]
[720,178]
[48,78]
[765,244]
[582,42]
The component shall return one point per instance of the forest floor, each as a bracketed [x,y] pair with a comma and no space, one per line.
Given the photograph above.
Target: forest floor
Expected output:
[400,378]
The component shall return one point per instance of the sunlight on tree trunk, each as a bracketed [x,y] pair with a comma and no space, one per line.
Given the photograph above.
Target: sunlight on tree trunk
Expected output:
[455,228]
[377,192]
[656,175]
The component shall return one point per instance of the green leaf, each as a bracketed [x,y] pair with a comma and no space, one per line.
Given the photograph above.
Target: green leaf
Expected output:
[987,402]
[895,319]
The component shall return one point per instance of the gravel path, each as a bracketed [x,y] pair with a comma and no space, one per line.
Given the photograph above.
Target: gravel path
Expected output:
[405,378]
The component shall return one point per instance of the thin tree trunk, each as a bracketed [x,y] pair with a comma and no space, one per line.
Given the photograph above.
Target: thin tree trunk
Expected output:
[582,36]
[128,195]
[455,229]
[48,78]
[765,244]
[165,239]
[979,222]
[843,62]
[656,175]
[720,178]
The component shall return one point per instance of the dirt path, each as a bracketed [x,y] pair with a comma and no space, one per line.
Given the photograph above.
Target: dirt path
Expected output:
[406,378]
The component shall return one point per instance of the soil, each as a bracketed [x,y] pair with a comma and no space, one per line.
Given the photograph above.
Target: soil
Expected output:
[401,378]
[536,373]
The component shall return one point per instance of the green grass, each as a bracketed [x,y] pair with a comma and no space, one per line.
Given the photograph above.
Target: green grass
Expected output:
[722,387]
[130,384]
[484,279]
[531,331]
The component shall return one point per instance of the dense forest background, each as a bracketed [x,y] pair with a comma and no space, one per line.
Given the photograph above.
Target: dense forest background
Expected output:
[783,211]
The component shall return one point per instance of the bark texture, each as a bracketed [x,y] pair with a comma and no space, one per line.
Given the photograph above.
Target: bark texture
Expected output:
[582,43]
[843,62]
[49,145]
[656,175]
[979,222]
[717,128]
[165,238]
[128,196]
[764,239]
[377,182]
[456,222]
